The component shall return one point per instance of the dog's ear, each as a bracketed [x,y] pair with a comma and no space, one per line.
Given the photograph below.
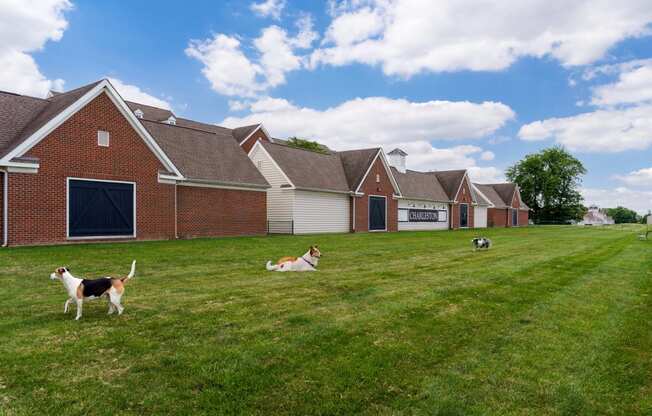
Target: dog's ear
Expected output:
[61,270]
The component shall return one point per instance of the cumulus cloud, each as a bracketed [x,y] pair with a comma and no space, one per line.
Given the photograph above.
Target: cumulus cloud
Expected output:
[406,37]
[641,178]
[231,72]
[600,131]
[486,174]
[26,28]
[135,94]
[634,85]
[378,121]
[639,201]
[268,8]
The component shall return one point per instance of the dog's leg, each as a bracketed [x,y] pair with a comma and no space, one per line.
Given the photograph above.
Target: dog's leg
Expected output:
[66,305]
[115,297]
[111,307]
[79,309]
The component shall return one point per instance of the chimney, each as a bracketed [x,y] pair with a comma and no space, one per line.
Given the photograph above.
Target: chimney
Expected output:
[397,159]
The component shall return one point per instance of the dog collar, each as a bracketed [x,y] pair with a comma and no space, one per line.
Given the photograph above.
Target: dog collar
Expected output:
[312,265]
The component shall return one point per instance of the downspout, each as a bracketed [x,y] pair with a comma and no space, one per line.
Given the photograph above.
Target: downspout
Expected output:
[353,219]
[5,208]
[176,221]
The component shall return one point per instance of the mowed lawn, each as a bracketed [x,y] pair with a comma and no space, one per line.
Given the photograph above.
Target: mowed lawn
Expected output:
[552,320]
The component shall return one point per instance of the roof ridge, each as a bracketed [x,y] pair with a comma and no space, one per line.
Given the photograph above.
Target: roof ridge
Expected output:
[15,94]
[74,90]
[181,127]
[330,153]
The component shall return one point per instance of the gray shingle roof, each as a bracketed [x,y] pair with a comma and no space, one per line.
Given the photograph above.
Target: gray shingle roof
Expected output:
[355,164]
[241,133]
[204,155]
[500,194]
[450,180]
[420,185]
[309,170]
[150,112]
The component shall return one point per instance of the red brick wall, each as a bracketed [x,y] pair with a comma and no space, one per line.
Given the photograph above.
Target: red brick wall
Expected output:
[523,218]
[382,188]
[497,217]
[2,226]
[37,202]
[463,197]
[209,212]
[258,135]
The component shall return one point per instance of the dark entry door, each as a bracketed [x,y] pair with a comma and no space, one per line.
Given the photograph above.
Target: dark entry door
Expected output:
[514,218]
[464,215]
[98,209]
[377,214]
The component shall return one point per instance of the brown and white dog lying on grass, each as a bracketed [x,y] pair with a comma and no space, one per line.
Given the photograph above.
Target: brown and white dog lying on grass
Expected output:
[88,289]
[306,263]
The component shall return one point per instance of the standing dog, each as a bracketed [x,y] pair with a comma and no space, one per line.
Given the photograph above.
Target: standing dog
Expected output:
[306,263]
[88,289]
[481,243]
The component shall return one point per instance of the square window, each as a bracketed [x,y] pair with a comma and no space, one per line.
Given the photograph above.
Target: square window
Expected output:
[103,138]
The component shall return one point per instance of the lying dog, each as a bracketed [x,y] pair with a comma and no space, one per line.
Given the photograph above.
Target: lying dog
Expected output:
[481,243]
[306,263]
[88,289]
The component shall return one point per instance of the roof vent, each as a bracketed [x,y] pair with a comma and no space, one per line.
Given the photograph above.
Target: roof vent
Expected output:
[171,120]
[139,113]
[397,159]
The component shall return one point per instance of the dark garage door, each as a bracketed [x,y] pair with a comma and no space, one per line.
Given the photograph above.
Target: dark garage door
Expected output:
[98,209]
[377,214]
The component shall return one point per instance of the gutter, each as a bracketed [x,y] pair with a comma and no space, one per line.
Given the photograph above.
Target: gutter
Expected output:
[5,208]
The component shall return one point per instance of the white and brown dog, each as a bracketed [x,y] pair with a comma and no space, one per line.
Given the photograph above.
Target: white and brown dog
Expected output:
[306,263]
[88,289]
[481,243]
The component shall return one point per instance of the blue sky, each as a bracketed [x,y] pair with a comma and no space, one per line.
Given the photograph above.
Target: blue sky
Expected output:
[456,86]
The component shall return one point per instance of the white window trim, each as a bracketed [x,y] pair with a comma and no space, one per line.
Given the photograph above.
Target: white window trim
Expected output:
[369,213]
[108,138]
[99,237]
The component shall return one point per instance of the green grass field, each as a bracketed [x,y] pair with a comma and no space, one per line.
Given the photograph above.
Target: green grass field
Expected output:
[552,320]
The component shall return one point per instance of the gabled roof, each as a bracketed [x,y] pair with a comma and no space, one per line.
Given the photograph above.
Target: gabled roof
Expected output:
[242,133]
[150,112]
[307,169]
[479,197]
[450,180]
[420,185]
[356,163]
[206,156]
[21,116]
[501,194]
[506,191]
[492,195]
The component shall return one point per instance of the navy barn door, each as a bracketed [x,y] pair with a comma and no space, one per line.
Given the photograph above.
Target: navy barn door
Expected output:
[464,215]
[377,214]
[97,209]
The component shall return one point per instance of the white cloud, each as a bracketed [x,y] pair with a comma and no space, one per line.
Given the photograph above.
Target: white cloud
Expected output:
[407,37]
[634,85]
[641,178]
[135,94]
[268,8]
[486,174]
[601,131]
[382,121]
[231,72]
[26,27]
[639,201]
[487,155]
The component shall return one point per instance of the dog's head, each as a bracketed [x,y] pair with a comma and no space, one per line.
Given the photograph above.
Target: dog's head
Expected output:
[59,272]
[314,251]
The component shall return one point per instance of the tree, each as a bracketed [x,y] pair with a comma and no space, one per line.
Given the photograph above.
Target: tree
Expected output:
[622,215]
[549,182]
[307,144]
[644,217]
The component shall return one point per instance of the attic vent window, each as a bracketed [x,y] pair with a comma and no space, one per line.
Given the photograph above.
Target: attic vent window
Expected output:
[377,178]
[139,113]
[103,138]
[172,121]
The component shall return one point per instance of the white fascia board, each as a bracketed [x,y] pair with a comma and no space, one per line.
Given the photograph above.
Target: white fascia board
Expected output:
[466,176]
[260,127]
[489,204]
[387,169]
[257,145]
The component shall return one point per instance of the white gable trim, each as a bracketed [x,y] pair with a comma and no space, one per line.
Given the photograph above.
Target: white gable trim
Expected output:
[487,200]
[466,176]
[381,154]
[259,145]
[260,127]
[103,87]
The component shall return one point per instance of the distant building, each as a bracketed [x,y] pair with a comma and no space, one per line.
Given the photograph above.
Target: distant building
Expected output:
[596,216]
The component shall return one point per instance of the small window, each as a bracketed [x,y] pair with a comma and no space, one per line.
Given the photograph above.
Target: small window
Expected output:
[103,138]
[139,113]
[378,178]
[171,120]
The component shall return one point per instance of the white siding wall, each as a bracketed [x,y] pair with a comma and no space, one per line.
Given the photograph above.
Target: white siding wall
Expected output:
[480,217]
[280,202]
[321,212]
[415,226]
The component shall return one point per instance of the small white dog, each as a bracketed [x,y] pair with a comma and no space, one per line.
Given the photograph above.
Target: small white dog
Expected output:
[481,243]
[88,289]
[306,263]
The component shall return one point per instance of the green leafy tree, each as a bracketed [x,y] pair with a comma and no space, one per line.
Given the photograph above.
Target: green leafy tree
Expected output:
[549,181]
[644,217]
[622,215]
[306,144]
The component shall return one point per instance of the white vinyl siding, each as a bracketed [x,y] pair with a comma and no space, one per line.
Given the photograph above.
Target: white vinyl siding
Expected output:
[480,217]
[416,226]
[321,212]
[280,201]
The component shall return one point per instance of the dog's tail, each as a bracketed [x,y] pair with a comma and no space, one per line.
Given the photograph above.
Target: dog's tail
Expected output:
[131,274]
[271,267]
